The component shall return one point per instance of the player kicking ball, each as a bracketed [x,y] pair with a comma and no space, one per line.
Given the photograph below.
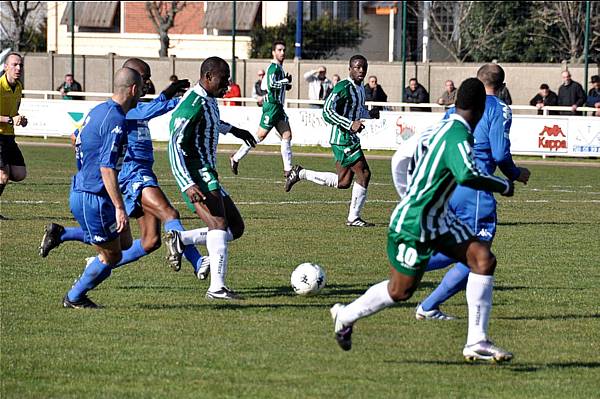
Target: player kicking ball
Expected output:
[344,110]
[422,223]
[195,127]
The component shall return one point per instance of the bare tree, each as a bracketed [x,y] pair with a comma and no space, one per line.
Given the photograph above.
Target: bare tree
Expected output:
[568,17]
[449,25]
[14,26]
[162,14]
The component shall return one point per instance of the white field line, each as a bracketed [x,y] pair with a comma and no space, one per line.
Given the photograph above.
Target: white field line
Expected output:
[372,201]
[328,155]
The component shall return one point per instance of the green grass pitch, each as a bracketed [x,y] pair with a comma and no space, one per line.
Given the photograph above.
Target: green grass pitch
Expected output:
[157,337]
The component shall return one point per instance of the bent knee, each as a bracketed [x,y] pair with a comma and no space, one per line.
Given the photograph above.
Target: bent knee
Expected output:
[485,264]
[111,258]
[400,295]
[344,184]
[151,244]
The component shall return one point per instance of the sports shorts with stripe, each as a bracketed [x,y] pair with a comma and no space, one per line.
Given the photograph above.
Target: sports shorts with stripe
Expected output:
[409,256]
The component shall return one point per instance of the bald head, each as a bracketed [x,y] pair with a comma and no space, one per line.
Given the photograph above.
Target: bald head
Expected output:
[125,78]
[140,66]
[491,75]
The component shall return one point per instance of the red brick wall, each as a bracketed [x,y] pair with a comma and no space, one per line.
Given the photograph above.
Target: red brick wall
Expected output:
[187,21]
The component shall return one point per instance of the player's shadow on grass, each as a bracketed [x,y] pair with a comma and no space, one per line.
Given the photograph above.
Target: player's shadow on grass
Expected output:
[516,367]
[232,305]
[170,288]
[553,317]
[542,223]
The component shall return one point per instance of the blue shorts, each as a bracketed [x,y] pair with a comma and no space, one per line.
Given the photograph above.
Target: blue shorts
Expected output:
[477,209]
[96,216]
[133,178]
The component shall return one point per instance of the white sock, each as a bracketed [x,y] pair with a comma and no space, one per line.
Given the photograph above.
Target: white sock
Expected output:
[242,152]
[359,197]
[286,154]
[376,298]
[194,237]
[198,236]
[479,302]
[216,244]
[322,178]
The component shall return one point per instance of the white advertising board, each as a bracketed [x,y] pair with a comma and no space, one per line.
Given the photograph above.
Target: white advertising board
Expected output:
[530,135]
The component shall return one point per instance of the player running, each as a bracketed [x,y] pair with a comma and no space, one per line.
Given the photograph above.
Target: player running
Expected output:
[477,208]
[195,127]
[95,198]
[344,109]
[143,198]
[276,83]
[422,223]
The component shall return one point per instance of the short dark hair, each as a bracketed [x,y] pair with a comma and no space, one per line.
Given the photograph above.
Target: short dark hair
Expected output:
[411,79]
[69,74]
[471,95]
[356,57]
[595,79]
[491,75]
[544,86]
[276,43]
[173,78]
[213,64]
[12,53]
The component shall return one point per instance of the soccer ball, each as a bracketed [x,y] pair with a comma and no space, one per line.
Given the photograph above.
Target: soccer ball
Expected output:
[308,279]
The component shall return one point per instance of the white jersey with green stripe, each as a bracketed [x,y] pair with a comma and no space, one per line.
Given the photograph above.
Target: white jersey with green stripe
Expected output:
[275,83]
[344,105]
[443,161]
[194,134]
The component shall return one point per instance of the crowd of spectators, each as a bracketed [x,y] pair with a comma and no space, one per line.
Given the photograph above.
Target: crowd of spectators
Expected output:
[570,93]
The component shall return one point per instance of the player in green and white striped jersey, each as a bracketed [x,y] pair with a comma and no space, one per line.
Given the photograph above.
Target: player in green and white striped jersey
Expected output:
[344,110]
[195,127]
[422,224]
[276,83]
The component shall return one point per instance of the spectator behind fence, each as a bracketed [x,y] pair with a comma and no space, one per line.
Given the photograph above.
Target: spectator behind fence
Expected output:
[504,95]
[70,84]
[257,92]
[233,92]
[335,79]
[570,94]
[149,85]
[374,92]
[318,85]
[449,95]
[593,99]
[415,93]
[181,91]
[545,97]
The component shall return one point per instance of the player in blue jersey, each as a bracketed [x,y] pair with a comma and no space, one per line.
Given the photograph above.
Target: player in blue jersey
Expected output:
[143,197]
[477,208]
[95,198]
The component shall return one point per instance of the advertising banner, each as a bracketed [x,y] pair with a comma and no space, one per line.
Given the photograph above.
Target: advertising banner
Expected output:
[529,135]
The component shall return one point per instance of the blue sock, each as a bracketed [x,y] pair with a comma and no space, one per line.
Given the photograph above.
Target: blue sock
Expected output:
[72,234]
[439,261]
[95,273]
[454,281]
[132,254]
[190,252]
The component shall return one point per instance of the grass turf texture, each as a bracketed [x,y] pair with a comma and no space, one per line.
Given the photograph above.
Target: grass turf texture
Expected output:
[158,337]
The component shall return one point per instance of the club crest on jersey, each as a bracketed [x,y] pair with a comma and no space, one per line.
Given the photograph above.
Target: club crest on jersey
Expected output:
[117,130]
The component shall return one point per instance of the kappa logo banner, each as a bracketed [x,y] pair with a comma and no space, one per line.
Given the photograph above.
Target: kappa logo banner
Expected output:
[553,139]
